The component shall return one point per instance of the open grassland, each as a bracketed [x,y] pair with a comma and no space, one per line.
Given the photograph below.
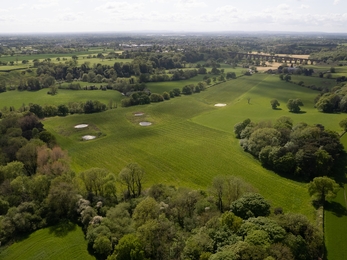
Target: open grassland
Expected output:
[50,243]
[160,87]
[336,228]
[317,81]
[18,98]
[335,219]
[191,141]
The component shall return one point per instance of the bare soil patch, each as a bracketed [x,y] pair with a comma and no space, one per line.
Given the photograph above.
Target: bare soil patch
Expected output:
[145,123]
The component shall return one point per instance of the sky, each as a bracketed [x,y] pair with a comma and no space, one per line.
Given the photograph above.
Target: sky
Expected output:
[50,16]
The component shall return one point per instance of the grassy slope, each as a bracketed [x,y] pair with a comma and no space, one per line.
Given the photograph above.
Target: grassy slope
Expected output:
[335,225]
[49,244]
[336,230]
[191,141]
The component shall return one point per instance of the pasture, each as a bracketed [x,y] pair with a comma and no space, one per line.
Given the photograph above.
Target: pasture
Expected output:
[335,219]
[191,141]
[18,98]
[57,242]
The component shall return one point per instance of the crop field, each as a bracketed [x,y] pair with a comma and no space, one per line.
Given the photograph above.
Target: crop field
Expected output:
[50,243]
[191,141]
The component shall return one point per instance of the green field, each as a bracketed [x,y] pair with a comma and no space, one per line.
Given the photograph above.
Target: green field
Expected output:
[191,141]
[17,98]
[335,219]
[336,228]
[50,243]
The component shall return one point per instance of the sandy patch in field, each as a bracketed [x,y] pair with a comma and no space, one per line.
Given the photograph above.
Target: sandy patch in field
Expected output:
[145,123]
[220,105]
[81,126]
[138,114]
[88,137]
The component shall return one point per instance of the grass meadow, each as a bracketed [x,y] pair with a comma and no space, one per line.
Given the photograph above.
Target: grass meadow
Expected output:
[18,98]
[335,220]
[191,141]
[54,243]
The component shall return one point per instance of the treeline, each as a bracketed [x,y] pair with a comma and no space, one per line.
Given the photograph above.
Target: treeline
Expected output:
[88,107]
[333,101]
[330,55]
[142,97]
[298,151]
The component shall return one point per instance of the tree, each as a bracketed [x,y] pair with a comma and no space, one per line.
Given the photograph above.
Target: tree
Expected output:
[154,97]
[63,110]
[129,248]
[37,110]
[53,90]
[323,188]
[62,199]
[28,156]
[287,77]
[132,177]
[274,103]
[294,105]
[166,95]
[250,205]
[343,124]
[102,245]
[145,210]
[2,86]
[187,90]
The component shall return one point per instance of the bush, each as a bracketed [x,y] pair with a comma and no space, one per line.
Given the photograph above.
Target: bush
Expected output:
[154,97]
[166,95]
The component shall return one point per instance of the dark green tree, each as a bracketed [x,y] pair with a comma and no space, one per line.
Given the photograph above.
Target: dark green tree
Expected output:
[274,103]
[294,105]
[323,188]
[250,205]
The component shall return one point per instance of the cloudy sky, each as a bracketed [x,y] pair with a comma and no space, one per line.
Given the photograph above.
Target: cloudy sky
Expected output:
[18,16]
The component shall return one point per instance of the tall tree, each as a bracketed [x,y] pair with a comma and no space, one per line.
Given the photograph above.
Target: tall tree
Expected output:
[323,188]
[132,177]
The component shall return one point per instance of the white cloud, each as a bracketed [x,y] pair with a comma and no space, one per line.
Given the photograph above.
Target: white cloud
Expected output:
[304,6]
[336,2]
[119,7]
[70,17]
[161,1]
[227,9]
[44,4]
[190,4]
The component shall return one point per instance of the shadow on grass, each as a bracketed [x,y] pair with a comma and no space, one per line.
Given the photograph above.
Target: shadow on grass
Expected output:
[62,229]
[340,169]
[300,112]
[277,108]
[336,208]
